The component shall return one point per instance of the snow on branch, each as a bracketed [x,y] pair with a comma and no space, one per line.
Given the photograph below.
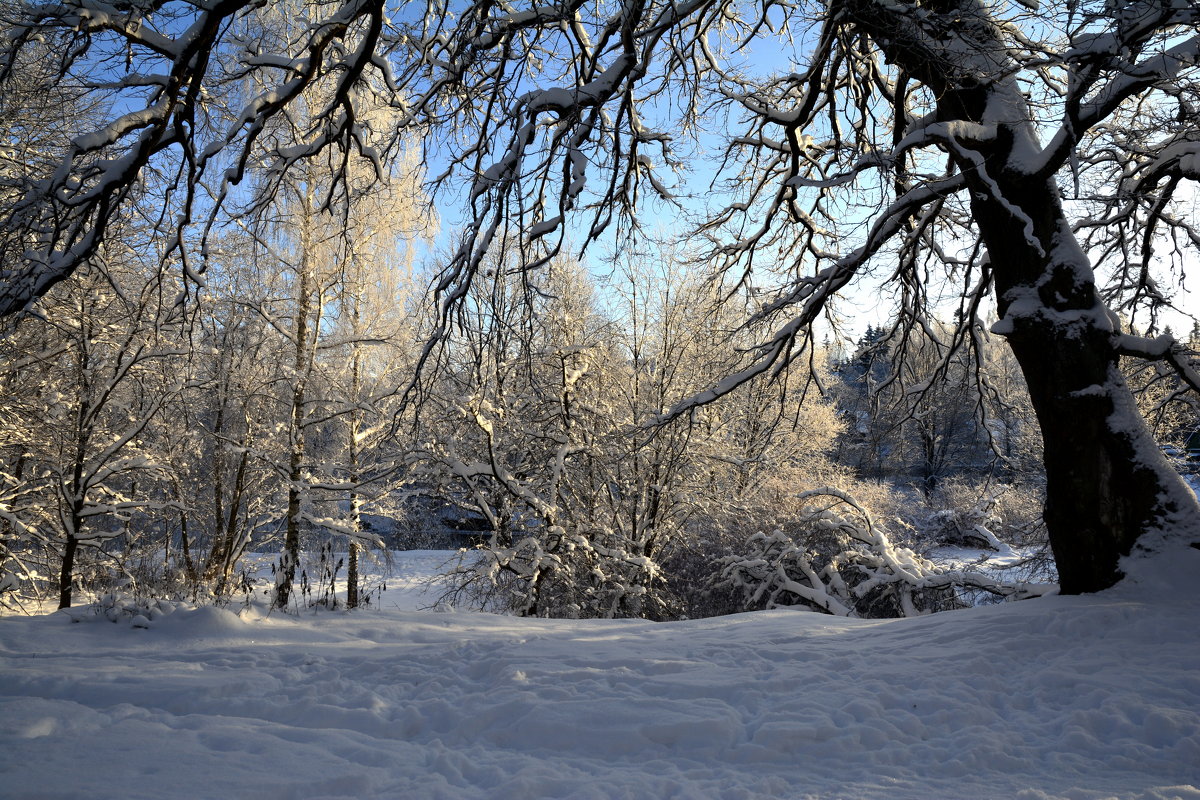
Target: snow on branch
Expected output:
[839,562]
[1087,106]
[958,133]
[1161,348]
[812,294]
[177,77]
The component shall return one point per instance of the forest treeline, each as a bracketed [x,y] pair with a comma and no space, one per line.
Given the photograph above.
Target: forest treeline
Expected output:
[149,444]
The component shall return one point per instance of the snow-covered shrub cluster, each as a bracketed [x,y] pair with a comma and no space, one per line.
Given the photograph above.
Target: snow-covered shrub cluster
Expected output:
[119,607]
[982,514]
[540,431]
[836,559]
[555,573]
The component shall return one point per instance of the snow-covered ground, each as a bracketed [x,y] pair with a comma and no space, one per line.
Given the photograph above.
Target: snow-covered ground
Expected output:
[1062,697]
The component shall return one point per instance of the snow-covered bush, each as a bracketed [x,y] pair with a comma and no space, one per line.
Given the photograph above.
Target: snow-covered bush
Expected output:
[836,559]
[555,573]
[562,449]
[16,580]
[27,564]
[694,569]
[122,607]
[982,514]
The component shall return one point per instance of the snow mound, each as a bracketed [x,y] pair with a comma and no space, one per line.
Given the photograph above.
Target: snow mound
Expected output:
[203,622]
[1064,697]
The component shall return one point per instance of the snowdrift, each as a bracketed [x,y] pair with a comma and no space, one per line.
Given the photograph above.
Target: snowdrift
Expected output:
[1062,697]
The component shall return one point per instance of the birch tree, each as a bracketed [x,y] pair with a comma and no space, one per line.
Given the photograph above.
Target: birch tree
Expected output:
[373,336]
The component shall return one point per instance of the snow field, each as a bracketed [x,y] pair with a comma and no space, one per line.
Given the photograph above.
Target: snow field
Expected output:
[1077,698]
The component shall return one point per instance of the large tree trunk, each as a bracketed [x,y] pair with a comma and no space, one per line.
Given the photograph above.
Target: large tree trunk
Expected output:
[1107,483]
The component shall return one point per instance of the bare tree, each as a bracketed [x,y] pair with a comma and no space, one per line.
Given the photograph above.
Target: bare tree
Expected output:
[233,407]
[96,353]
[999,150]
[547,426]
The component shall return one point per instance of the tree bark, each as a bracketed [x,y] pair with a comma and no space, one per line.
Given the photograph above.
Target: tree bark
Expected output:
[226,551]
[305,331]
[66,575]
[352,599]
[1107,482]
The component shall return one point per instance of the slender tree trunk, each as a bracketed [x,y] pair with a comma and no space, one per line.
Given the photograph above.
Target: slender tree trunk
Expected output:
[74,520]
[66,575]
[188,564]
[291,542]
[185,545]
[75,500]
[307,306]
[226,551]
[352,599]
[216,555]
